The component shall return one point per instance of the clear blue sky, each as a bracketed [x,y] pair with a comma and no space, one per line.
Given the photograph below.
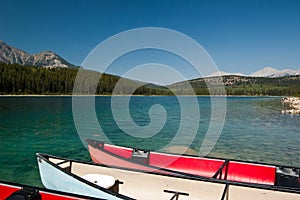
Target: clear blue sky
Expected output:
[240,35]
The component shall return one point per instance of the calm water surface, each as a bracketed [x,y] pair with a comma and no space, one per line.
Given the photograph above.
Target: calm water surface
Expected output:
[254,130]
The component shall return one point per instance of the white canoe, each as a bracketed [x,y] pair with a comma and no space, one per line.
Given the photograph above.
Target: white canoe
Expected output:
[96,181]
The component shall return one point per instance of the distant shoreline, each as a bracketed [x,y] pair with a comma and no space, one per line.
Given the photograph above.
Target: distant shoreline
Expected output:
[102,95]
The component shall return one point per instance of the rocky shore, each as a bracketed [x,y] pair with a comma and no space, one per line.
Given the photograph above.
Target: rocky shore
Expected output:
[291,105]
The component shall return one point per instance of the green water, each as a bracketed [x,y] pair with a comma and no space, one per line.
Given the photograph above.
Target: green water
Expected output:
[254,129]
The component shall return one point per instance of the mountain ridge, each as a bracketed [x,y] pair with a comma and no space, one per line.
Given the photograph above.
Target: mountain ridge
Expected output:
[268,72]
[49,59]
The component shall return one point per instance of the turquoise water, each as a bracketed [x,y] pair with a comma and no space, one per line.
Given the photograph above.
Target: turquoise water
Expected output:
[254,130]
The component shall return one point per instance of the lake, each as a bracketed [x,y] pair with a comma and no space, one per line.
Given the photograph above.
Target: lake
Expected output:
[254,129]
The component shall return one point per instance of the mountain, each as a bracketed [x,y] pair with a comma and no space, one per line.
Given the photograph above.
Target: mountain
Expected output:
[265,72]
[48,59]
[271,72]
[11,55]
[222,73]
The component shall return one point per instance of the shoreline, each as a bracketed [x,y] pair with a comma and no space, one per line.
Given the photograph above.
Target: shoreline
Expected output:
[109,95]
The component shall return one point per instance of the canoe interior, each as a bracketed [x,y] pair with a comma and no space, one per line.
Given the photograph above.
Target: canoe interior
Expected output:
[145,185]
[237,171]
[139,185]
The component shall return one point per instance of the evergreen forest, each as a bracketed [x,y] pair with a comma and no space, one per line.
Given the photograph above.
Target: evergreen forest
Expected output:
[29,80]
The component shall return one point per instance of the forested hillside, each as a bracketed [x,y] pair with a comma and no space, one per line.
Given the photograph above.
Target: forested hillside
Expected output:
[243,85]
[17,79]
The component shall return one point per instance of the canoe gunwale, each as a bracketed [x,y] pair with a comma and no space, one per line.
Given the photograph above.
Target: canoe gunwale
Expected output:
[210,180]
[46,157]
[90,142]
[197,177]
[43,156]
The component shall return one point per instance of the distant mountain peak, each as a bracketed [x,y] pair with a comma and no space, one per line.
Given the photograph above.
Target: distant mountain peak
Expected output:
[265,72]
[12,55]
[271,72]
[223,73]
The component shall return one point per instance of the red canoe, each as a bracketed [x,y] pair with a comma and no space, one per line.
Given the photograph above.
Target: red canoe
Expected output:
[230,170]
[12,191]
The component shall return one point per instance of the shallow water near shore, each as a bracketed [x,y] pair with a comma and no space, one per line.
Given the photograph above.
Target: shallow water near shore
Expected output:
[254,130]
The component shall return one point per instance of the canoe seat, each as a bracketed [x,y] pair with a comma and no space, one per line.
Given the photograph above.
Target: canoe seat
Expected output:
[101,180]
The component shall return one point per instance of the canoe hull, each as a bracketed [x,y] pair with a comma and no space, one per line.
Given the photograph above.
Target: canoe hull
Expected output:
[229,170]
[55,179]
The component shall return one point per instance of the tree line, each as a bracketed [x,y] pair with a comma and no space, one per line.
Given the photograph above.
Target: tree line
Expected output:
[275,86]
[241,85]
[16,79]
